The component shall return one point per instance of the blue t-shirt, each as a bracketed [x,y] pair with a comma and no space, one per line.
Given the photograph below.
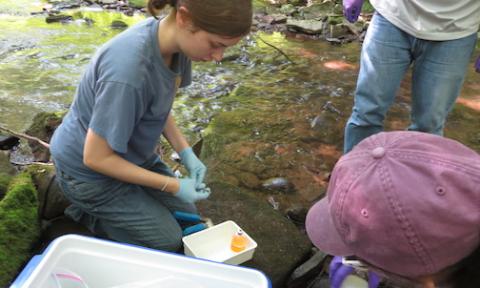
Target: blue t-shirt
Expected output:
[125,96]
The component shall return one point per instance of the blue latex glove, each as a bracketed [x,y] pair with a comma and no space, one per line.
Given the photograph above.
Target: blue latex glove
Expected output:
[338,272]
[477,65]
[188,191]
[352,9]
[195,167]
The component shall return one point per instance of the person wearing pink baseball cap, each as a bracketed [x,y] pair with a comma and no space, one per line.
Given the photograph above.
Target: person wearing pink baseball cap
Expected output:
[406,205]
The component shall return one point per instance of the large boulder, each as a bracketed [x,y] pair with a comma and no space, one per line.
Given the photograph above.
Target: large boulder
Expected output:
[281,246]
[236,175]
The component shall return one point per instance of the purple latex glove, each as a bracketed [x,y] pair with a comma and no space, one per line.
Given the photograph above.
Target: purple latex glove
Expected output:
[352,9]
[339,271]
[477,65]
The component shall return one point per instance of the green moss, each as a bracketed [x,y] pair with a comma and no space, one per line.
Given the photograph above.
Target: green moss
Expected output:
[137,3]
[19,227]
[5,165]
[334,20]
[43,123]
[4,181]
[259,4]
[367,7]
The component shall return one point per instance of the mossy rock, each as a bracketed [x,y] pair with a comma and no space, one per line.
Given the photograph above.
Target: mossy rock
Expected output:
[318,10]
[137,3]
[231,150]
[6,173]
[4,181]
[43,126]
[5,165]
[19,226]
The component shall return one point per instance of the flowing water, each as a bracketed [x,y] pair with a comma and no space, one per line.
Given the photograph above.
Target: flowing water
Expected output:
[297,100]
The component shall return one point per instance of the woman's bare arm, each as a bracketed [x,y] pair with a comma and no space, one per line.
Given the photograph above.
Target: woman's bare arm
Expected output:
[99,156]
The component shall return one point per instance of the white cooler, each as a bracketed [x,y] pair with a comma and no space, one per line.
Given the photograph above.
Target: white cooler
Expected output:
[74,261]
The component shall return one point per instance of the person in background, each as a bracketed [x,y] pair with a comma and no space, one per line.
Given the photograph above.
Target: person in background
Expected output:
[104,149]
[404,206]
[436,37]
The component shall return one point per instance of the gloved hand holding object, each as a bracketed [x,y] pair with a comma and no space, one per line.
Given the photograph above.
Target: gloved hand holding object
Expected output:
[339,272]
[188,191]
[477,65]
[195,167]
[352,9]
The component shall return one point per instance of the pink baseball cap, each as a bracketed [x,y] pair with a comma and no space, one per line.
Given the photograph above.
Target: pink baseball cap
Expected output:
[406,202]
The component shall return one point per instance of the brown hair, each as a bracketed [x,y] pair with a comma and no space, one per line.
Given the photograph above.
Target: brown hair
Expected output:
[231,18]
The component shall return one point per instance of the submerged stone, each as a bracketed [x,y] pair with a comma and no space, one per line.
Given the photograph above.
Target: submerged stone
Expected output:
[58,18]
[117,24]
[279,184]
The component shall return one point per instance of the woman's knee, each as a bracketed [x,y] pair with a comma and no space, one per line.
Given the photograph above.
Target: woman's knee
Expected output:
[171,241]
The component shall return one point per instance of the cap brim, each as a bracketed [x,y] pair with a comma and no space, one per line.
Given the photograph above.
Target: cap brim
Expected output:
[322,231]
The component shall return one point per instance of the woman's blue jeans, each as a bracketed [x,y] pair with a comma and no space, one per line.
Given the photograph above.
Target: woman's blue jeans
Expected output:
[439,69]
[126,212]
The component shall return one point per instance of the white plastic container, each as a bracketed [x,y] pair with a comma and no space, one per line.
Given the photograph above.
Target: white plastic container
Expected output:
[353,281]
[78,261]
[214,244]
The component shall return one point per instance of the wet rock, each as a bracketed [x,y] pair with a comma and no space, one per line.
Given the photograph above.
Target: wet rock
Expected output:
[317,10]
[72,4]
[7,142]
[306,26]
[297,215]
[336,41]
[281,246]
[51,199]
[338,9]
[297,2]
[43,126]
[279,184]
[231,57]
[106,1]
[118,24]
[248,180]
[58,18]
[274,19]
[338,30]
[275,204]
[329,106]
[288,9]
[312,268]
[318,122]
[337,92]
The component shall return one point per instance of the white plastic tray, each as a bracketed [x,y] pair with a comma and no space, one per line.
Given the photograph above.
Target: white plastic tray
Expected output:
[214,244]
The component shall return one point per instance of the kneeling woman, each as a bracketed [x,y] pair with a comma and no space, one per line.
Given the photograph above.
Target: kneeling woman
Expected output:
[104,149]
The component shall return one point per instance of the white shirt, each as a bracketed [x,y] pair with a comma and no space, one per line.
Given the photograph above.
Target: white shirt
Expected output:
[436,20]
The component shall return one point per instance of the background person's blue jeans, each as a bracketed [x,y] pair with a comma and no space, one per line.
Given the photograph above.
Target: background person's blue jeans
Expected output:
[126,212]
[439,69]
